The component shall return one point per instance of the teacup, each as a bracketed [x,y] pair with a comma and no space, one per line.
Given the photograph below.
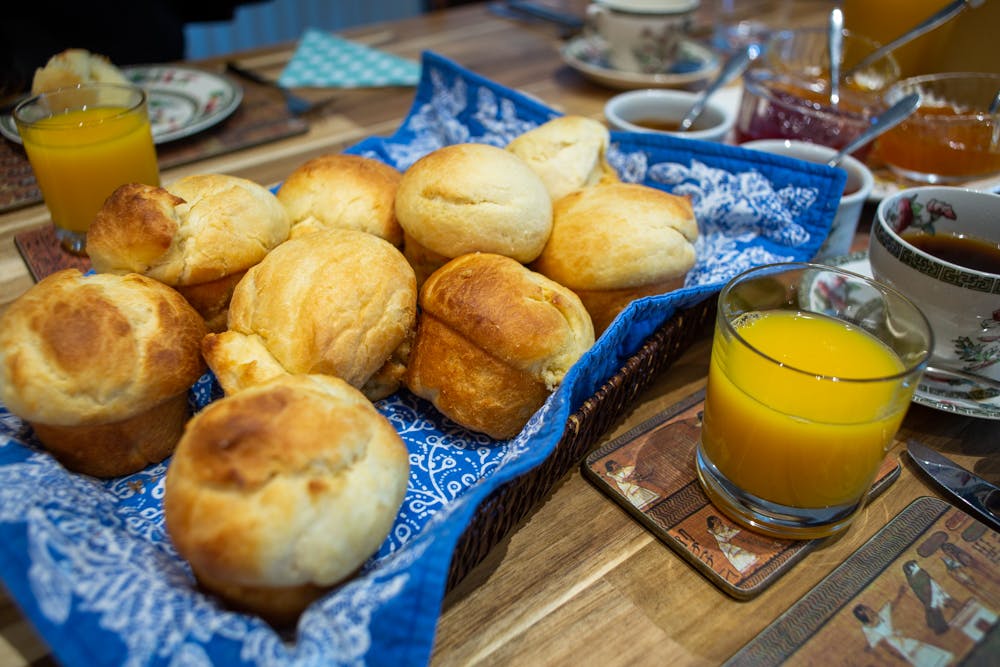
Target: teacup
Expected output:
[858,187]
[940,246]
[641,35]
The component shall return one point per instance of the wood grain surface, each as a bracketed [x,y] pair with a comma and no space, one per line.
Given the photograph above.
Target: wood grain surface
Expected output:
[579,582]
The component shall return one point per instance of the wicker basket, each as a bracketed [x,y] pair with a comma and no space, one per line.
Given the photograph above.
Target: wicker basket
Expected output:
[504,509]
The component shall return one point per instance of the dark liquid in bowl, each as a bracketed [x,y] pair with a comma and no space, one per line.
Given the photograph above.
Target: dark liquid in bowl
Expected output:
[968,251]
[667,125]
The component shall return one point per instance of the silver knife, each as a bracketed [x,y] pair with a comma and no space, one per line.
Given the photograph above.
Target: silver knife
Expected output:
[969,491]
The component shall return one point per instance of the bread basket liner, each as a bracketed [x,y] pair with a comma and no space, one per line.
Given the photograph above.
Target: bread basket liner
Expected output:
[89,563]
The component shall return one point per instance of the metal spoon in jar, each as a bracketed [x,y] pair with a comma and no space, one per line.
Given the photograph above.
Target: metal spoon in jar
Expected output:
[880,124]
[835,41]
[732,68]
[943,15]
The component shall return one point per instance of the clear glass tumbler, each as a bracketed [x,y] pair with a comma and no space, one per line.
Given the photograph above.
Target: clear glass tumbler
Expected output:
[812,371]
[83,142]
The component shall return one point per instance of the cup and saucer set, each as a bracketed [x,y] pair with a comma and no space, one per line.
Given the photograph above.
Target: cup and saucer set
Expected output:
[632,44]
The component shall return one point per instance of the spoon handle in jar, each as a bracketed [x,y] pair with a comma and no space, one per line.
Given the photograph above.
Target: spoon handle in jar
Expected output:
[835,42]
[941,16]
[880,124]
[730,70]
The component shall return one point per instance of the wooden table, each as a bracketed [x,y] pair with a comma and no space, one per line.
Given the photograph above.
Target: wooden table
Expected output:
[579,582]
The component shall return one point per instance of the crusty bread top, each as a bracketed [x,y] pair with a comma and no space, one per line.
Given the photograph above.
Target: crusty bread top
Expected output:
[72,67]
[514,314]
[619,235]
[567,153]
[81,350]
[475,198]
[336,302]
[342,191]
[200,228]
[294,481]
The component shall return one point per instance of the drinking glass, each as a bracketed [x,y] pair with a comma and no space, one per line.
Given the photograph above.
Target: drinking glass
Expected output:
[83,142]
[812,371]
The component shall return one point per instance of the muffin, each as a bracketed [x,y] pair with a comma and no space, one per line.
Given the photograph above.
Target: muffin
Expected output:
[282,491]
[100,367]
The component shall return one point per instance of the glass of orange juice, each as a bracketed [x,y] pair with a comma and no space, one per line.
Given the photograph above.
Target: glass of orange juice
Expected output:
[83,142]
[812,371]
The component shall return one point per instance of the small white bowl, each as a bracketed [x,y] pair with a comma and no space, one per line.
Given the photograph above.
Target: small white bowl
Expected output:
[857,189]
[627,111]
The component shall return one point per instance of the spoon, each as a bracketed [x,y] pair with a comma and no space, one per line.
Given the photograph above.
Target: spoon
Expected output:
[944,15]
[880,124]
[732,68]
[995,104]
[835,40]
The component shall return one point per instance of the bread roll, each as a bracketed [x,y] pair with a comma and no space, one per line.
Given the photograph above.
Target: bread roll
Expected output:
[100,366]
[337,302]
[494,339]
[567,153]
[72,67]
[199,235]
[343,192]
[283,490]
[473,198]
[614,243]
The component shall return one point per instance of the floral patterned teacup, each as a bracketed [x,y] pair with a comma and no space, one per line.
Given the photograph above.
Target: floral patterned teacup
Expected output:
[642,35]
[962,303]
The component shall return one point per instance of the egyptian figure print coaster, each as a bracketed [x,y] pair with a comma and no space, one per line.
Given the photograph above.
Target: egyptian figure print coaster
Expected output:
[925,590]
[650,472]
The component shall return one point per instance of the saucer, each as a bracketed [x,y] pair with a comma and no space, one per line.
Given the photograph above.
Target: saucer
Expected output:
[587,54]
[960,396]
[181,100]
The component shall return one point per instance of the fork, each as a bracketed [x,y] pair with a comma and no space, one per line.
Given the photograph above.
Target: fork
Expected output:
[297,106]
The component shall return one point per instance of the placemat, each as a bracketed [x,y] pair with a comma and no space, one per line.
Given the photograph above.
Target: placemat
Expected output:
[260,118]
[925,590]
[650,471]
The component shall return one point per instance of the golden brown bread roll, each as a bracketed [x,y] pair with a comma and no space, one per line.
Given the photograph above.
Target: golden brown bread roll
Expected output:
[472,198]
[75,66]
[279,492]
[336,302]
[567,153]
[343,191]
[614,243]
[100,366]
[494,339]
[197,235]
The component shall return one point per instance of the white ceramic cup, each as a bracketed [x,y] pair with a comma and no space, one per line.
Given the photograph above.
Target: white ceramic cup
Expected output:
[641,35]
[856,191]
[961,303]
[644,110]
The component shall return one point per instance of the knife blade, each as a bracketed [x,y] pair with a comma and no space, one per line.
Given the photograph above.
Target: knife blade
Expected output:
[969,491]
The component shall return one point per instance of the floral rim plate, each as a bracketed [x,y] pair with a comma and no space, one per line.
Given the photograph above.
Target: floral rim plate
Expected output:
[588,55]
[947,393]
[182,100]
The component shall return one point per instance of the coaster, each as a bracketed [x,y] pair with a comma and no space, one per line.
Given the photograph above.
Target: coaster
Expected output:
[650,471]
[41,251]
[925,590]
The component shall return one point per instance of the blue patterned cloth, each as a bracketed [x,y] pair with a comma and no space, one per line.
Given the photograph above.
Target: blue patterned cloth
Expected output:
[90,564]
[323,60]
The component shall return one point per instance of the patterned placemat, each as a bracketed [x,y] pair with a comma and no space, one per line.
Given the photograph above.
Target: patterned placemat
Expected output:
[260,118]
[41,251]
[322,59]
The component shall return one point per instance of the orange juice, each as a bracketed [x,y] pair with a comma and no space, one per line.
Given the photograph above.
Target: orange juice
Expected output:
[885,20]
[81,156]
[801,439]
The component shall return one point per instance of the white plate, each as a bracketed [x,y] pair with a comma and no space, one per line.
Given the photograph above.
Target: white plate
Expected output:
[182,100]
[950,394]
[888,184]
[588,55]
